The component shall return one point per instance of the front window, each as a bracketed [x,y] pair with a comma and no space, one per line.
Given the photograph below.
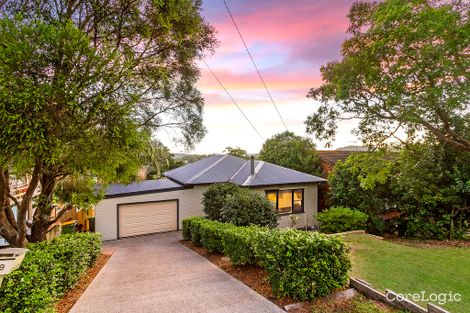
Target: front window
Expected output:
[287,201]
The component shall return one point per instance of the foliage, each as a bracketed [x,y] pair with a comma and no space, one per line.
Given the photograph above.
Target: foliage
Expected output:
[248,207]
[48,271]
[215,198]
[340,219]
[404,70]
[289,150]
[187,227]
[81,92]
[432,191]
[238,244]
[407,266]
[301,265]
[238,152]
[427,183]
[158,159]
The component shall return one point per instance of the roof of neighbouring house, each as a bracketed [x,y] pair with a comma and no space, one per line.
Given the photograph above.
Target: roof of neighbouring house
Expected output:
[142,187]
[228,168]
[333,156]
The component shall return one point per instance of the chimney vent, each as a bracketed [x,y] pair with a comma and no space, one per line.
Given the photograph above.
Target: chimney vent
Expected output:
[252,165]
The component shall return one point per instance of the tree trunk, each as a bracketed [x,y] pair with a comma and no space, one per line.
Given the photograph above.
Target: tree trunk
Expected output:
[26,204]
[8,227]
[42,215]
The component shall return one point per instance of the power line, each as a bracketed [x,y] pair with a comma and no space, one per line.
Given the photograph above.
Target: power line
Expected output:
[254,64]
[233,100]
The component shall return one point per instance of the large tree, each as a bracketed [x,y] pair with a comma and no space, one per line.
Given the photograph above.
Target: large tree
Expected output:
[83,84]
[291,151]
[404,73]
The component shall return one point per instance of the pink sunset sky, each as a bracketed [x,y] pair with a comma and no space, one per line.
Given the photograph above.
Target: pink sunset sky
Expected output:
[289,41]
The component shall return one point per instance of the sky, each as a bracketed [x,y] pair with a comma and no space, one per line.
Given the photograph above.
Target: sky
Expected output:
[289,41]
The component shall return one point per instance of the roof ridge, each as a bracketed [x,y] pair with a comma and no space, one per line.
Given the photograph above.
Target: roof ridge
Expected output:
[251,177]
[239,170]
[292,170]
[207,168]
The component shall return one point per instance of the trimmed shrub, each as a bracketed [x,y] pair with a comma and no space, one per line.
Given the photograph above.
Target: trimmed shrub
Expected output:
[238,243]
[215,197]
[302,265]
[249,208]
[187,227]
[341,219]
[212,233]
[48,270]
[195,229]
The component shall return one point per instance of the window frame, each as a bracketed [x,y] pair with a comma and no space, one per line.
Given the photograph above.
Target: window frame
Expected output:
[276,191]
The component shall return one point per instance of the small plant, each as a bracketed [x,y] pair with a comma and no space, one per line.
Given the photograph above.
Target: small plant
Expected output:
[294,219]
[341,219]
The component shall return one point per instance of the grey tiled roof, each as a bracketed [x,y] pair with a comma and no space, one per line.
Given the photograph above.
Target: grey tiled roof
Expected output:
[146,186]
[228,168]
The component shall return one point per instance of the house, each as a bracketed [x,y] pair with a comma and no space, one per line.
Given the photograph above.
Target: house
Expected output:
[329,158]
[160,205]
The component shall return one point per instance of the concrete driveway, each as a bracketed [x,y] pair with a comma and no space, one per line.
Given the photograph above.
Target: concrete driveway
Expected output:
[157,274]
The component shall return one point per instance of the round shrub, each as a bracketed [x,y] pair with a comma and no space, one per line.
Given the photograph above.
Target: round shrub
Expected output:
[215,197]
[341,219]
[249,208]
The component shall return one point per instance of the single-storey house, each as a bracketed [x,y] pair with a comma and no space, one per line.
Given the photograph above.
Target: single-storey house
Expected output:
[154,206]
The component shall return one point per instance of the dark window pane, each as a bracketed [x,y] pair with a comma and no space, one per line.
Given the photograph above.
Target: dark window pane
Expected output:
[298,201]
[285,201]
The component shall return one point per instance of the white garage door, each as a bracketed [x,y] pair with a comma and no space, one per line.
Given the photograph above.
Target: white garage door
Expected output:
[146,218]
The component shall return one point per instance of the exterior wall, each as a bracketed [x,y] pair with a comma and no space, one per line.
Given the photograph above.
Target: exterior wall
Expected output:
[190,205]
[310,205]
[106,210]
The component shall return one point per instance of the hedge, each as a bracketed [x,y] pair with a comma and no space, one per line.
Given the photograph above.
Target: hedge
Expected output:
[48,271]
[340,219]
[301,265]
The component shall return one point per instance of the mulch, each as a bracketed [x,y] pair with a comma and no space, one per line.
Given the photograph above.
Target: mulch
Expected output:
[70,297]
[253,276]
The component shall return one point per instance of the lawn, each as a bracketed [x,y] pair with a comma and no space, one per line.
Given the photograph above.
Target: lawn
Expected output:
[407,269]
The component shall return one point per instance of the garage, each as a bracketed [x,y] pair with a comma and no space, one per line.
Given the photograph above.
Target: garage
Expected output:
[147,218]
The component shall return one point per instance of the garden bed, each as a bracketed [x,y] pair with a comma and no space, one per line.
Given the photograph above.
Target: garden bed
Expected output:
[71,297]
[257,279]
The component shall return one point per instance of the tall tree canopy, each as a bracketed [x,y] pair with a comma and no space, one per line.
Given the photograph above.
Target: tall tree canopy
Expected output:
[291,151]
[403,71]
[83,84]
[237,151]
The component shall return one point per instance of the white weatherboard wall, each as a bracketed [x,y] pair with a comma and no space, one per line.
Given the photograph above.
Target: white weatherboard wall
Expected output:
[106,210]
[310,205]
[190,205]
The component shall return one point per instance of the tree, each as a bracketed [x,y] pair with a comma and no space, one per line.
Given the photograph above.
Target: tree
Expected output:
[83,84]
[158,159]
[238,152]
[403,71]
[433,190]
[291,151]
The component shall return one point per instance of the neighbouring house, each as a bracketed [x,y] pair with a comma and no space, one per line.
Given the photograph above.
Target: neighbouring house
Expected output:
[328,160]
[154,206]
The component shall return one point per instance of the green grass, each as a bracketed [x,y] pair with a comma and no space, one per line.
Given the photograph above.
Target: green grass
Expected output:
[358,304]
[407,269]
